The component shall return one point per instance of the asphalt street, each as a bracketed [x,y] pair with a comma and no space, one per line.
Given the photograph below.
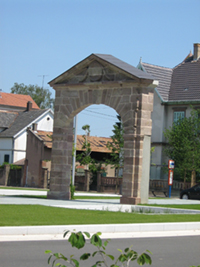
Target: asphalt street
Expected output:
[167,251]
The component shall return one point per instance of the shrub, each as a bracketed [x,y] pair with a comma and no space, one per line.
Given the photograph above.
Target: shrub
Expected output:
[77,240]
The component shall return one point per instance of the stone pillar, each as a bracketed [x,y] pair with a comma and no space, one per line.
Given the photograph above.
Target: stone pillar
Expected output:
[137,132]
[61,159]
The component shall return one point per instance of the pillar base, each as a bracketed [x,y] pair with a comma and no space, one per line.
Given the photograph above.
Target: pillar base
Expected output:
[59,195]
[130,200]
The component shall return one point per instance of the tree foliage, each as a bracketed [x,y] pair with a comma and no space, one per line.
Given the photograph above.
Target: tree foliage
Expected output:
[78,239]
[84,158]
[116,146]
[41,96]
[184,143]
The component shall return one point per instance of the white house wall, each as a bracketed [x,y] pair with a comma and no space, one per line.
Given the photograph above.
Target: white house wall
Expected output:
[157,120]
[20,147]
[44,123]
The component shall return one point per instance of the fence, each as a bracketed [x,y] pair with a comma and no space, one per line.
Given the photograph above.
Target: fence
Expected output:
[109,184]
[162,185]
[11,177]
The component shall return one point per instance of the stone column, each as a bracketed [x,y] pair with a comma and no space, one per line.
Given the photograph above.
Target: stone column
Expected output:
[61,159]
[137,132]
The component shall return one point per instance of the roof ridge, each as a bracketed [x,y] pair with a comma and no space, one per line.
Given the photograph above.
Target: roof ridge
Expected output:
[185,62]
[156,65]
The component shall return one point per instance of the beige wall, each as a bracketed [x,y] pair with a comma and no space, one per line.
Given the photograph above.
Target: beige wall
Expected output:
[162,118]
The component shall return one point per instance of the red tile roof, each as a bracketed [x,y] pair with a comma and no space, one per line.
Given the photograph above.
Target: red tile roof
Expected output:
[16,100]
[97,144]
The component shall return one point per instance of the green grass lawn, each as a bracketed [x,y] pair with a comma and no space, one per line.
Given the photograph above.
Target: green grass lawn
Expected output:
[23,215]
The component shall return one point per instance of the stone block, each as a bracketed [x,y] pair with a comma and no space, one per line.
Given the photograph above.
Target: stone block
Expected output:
[125,99]
[150,98]
[85,97]
[126,91]
[58,195]
[130,200]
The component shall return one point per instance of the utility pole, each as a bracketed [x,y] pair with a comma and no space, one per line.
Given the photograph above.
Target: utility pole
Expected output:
[42,79]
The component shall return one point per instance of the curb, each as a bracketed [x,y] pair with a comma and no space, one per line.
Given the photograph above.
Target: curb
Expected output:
[109,228]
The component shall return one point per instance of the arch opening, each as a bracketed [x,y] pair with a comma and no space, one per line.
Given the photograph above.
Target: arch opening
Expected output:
[130,93]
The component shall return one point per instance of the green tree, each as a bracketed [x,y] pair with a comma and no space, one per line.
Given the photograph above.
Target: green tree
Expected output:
[184,144]
[116,146]
[84,158]
[41,96]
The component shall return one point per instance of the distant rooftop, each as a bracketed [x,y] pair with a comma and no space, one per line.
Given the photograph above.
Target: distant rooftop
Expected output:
[16,100]
[97,144]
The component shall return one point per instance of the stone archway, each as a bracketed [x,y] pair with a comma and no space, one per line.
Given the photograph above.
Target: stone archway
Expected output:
[104,79]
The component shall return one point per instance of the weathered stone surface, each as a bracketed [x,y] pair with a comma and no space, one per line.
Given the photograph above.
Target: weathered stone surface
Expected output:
[132,99]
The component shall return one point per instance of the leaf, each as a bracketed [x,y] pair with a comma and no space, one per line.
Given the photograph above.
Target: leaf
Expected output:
[105,243]
[96,240]
[65,233]
[64,258]
[57,255]
[141,260]
[98,233]
[85,256]
[48,251]
[94,253]
[87,234]
[151,252]
[75,262]
[119,250]
[122,258]
[49,259]
[111,257]
[73,239]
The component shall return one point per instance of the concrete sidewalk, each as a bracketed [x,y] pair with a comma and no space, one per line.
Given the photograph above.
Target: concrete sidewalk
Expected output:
[109,231]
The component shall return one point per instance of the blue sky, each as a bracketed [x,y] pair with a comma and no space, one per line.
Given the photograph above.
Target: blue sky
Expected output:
[47,37]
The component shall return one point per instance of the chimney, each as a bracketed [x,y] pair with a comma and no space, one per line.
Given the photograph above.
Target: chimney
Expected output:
[34,127]
[196,51]
[29,106]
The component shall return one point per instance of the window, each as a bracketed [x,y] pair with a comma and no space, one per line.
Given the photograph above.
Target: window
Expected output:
[6,158]
[178,115]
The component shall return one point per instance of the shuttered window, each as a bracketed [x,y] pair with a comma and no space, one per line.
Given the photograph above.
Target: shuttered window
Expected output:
[178,115]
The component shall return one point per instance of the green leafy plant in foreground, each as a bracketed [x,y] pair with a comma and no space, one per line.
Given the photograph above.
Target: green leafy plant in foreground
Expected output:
[78,240]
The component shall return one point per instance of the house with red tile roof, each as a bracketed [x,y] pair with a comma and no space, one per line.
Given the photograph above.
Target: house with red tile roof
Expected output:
[38,155]
[15,102]
[17,113]
[178,90]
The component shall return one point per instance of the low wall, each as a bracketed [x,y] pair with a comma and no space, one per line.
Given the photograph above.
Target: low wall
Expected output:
[109,184]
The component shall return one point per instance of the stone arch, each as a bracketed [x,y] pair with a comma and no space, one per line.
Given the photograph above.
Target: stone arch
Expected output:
[103,79]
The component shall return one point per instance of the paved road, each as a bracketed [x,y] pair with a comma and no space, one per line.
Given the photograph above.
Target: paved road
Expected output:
[167,251]
[12,200]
